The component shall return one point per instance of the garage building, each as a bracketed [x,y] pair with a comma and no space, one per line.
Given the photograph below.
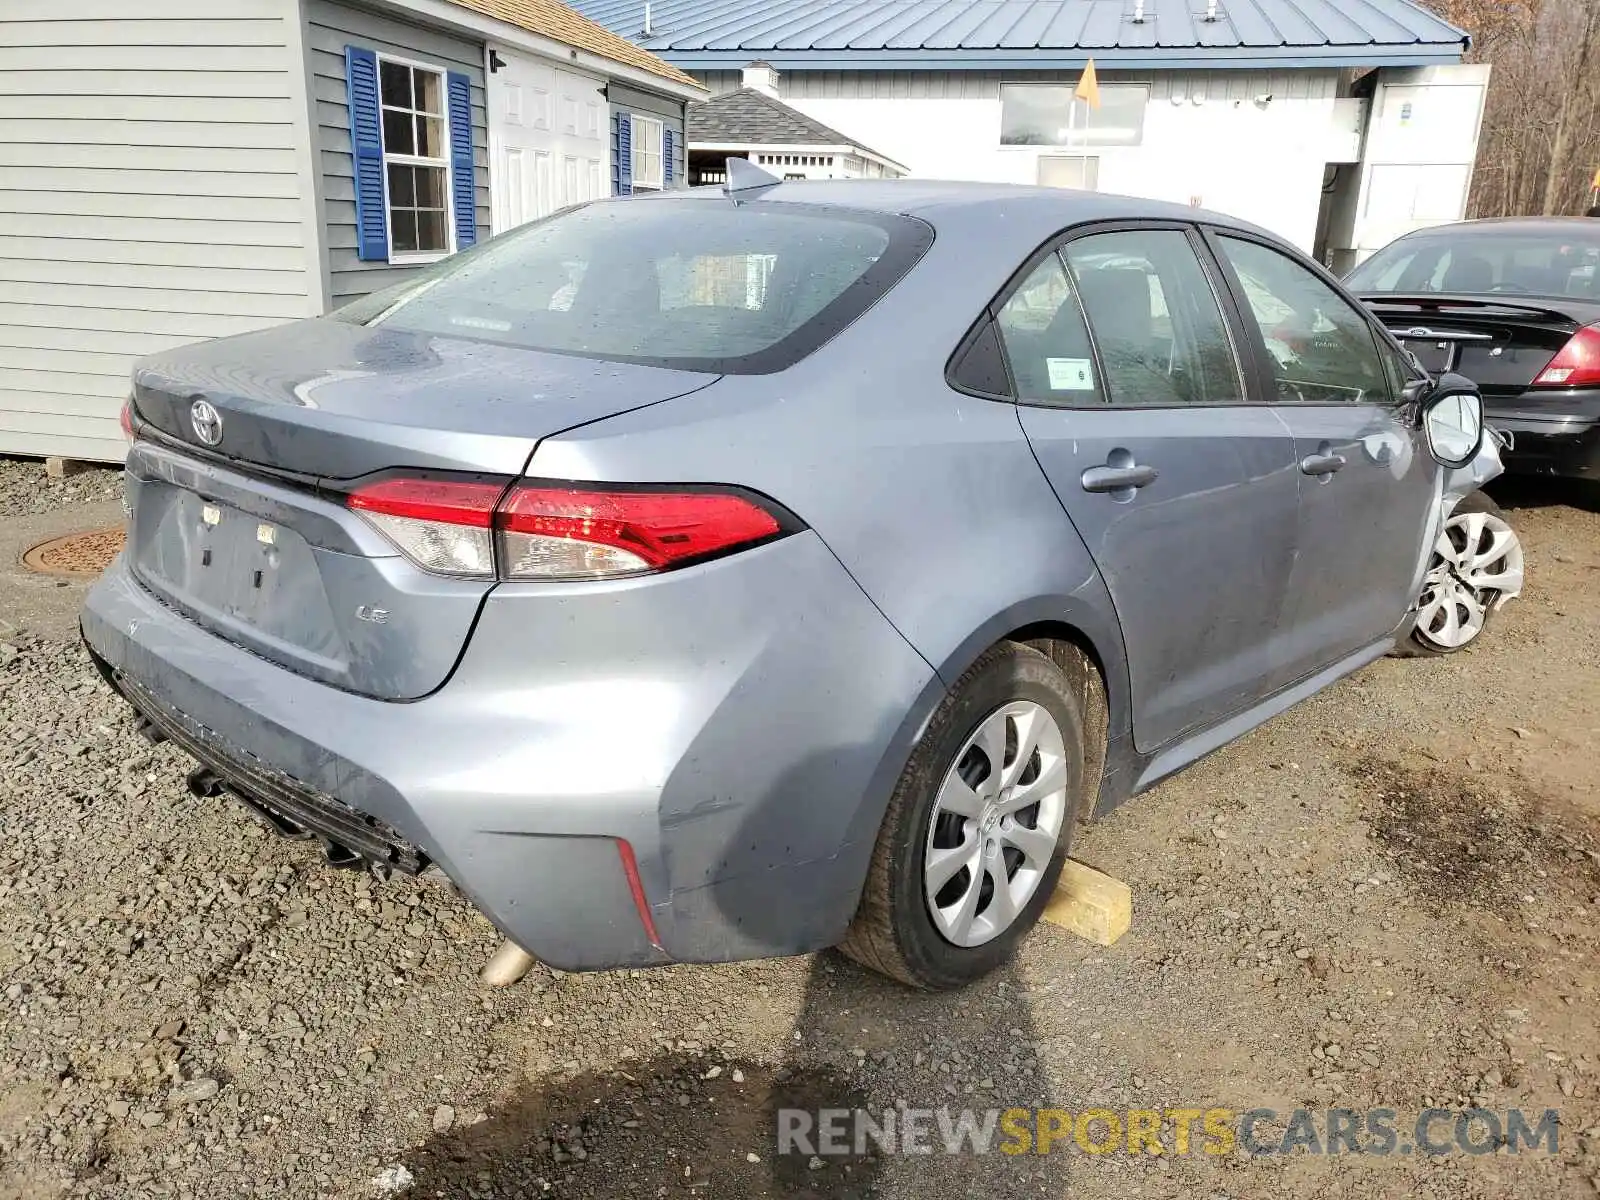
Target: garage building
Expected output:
[1338,126]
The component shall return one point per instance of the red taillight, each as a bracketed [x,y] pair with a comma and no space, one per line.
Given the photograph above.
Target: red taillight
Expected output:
[454,501]
[553,532]
[125,418]
[1578,363]
[556,531]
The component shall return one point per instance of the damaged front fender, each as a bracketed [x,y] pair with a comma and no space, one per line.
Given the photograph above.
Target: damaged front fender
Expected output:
[1463,481]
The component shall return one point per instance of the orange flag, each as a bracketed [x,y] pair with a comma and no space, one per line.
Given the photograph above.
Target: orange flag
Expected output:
[1088,89]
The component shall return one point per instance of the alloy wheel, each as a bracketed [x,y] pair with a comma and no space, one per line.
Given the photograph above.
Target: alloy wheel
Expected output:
[1476,558]
[995,823]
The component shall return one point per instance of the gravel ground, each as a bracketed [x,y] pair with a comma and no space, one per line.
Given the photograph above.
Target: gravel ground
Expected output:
[25,488]
[1386,897]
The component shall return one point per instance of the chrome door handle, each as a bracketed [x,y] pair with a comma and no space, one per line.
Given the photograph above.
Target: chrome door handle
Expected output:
[1322,464]
[1116,479]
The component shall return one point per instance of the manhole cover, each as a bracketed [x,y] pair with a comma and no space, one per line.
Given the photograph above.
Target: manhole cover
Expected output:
[78,555]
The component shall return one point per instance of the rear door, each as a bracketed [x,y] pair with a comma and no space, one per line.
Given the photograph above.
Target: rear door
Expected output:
[1184,492]
[1368,487]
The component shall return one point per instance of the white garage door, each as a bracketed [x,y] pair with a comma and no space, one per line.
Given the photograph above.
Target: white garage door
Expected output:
[548,138]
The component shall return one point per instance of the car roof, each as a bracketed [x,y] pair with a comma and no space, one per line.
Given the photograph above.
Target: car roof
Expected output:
[930,197]
[1500,225]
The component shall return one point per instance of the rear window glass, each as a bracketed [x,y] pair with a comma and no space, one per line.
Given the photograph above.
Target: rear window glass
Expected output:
[702,285]
[1508,264]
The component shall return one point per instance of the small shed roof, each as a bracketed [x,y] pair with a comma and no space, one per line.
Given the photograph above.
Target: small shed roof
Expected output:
[1034,34]
[751,117]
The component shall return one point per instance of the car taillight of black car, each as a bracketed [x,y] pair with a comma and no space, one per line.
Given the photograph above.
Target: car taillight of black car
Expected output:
[1577,364]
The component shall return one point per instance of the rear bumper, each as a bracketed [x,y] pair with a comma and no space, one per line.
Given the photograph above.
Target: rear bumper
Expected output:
[287,805]
[1556,433]
[1567,455]
[738,724]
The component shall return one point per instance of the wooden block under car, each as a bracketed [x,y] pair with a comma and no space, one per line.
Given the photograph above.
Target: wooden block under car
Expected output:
[1091,904]
[60,468]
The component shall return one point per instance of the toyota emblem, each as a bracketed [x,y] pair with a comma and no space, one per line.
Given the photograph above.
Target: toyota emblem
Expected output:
[207,422]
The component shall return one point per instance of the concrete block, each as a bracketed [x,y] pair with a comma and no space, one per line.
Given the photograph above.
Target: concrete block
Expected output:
[1091,904]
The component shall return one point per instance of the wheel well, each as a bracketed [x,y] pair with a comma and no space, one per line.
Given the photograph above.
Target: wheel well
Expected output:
[1075,654]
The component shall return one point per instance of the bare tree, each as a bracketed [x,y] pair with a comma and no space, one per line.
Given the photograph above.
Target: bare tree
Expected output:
[1540,144]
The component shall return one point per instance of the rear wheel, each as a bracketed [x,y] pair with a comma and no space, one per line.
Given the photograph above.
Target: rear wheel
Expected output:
[1476,559]
[978,827]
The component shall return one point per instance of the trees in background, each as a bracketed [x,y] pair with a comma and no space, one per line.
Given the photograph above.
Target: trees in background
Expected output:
[1540,146]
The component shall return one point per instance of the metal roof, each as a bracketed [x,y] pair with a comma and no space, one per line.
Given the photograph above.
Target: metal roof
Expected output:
[753,118]
[811,35]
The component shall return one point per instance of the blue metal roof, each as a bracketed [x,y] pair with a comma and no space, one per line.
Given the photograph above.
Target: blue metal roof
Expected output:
[812,35]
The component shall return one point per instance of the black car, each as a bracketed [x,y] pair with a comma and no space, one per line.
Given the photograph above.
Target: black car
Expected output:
[1515,306]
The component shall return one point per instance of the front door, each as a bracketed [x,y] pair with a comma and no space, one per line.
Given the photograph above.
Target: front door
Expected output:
[1183,490]
[548,138]
[1368,487]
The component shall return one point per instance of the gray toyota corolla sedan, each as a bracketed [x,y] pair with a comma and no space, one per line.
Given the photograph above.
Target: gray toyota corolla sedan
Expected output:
[721,575]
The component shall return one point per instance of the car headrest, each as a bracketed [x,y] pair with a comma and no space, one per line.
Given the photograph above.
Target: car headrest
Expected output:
[1468,273]
[1118,303]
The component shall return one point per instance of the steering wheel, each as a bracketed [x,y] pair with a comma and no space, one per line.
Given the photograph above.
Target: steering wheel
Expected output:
[1291,392]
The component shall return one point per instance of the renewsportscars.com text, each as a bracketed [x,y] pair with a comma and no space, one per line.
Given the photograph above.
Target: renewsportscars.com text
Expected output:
[1258,1132]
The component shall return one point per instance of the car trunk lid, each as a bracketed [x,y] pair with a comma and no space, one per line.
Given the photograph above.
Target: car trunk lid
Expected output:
[1500,344]
[251,538]
[326,399]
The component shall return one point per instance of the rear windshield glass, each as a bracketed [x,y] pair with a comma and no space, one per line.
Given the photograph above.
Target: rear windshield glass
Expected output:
[1559,263]
[702,285]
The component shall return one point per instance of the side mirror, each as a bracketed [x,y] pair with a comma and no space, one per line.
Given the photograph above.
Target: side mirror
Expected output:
[1452,418]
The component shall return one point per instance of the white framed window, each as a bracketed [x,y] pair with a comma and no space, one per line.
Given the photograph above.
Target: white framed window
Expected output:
[648,135]
[416,160]
[1050,114]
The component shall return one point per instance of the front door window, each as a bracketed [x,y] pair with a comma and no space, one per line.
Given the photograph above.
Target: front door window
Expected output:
[1321,349]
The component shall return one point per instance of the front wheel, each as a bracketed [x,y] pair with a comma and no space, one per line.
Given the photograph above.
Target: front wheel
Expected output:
[1476,560]
[978,827]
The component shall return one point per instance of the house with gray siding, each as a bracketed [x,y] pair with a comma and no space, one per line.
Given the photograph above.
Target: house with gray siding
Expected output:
[182,169]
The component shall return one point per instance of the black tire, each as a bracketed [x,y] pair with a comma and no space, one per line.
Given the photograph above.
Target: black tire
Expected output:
[893,932]
[1415,644]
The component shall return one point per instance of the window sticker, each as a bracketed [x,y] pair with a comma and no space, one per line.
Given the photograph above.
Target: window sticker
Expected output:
[1070,374]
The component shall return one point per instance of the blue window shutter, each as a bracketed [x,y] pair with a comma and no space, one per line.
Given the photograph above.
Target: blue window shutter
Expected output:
[616,189]
[666,157]
[463,178]
[624,154]
[366,143]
